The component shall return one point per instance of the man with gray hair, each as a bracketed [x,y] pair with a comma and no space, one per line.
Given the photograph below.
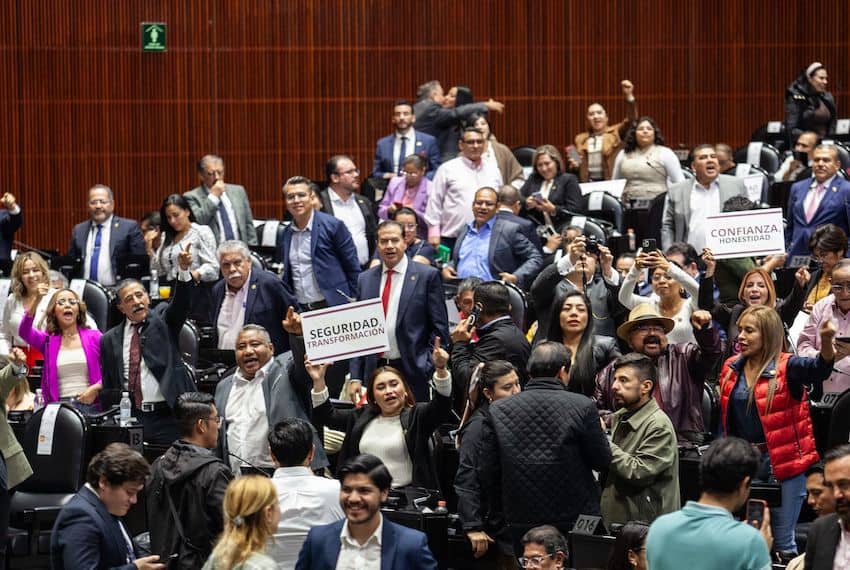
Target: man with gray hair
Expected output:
[263,391]
[247,295]
[222,207]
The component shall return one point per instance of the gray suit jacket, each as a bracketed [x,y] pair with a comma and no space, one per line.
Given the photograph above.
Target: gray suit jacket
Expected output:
[205,211]
[677,206]
[282,400]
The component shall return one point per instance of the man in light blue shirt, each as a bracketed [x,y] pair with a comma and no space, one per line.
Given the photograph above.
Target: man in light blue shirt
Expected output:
[704,534]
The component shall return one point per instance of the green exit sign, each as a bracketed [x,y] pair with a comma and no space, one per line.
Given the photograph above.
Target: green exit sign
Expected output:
[153,36]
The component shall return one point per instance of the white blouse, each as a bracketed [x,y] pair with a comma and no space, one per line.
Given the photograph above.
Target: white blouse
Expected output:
[204,259]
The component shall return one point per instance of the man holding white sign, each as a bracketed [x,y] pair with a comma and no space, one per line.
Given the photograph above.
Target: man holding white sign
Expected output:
[689,202]
[412,298]
[816,201]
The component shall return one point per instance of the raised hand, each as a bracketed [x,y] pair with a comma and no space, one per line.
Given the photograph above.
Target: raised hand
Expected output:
[292,322]
[184,258]
[439,356]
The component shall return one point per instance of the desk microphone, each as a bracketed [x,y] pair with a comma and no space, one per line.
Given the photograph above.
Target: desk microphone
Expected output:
[249,464]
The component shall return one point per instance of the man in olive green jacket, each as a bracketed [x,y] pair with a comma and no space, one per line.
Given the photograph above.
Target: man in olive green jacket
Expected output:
[643,479]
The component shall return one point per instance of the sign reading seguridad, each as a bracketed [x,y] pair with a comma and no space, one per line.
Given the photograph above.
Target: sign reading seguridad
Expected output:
[745,234]
[344,331]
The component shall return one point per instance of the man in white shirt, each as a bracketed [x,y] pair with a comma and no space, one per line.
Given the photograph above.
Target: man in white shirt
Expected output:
[341,200]
[690,201]
[364,539]
[305,499]
[449,206]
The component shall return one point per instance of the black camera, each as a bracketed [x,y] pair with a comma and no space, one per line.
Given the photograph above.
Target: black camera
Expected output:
[592,245]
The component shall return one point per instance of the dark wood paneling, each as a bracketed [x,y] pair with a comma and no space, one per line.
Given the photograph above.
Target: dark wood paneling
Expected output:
[278,86]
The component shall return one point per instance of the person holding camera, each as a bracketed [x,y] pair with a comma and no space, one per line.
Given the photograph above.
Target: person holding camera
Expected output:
[549,190]
[670,285]
[764,400]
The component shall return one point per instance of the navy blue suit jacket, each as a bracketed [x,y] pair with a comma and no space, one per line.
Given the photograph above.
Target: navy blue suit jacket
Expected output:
[86,535]
[401,547]
[526,226]
[334,257]
[9,224]
[125,239]
[833,209]
[510,252]
[265,305]
[425,146]
[421,316]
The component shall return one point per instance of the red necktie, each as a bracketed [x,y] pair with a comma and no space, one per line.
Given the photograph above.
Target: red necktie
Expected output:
[134,374]
[385,295]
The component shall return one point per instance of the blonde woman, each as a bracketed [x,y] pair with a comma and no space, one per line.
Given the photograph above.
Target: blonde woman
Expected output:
[28,272]
[251,514]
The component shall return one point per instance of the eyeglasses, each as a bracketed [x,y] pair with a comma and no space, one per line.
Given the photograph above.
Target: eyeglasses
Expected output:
[648,328]
[217,419]
[63,302]
[99,202]
[533,561]
[838,288]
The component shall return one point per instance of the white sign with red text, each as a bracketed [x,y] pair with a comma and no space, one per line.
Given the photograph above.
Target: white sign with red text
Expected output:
[752,233]
[345,331]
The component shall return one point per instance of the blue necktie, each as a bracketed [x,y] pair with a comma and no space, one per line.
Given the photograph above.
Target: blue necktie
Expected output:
[225,221]
[402,154]
[95,253]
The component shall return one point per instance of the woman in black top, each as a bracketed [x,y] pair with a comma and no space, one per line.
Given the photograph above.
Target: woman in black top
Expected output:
[808,105]
[549,190]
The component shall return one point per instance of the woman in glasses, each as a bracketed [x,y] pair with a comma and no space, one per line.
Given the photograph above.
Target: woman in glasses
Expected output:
[408,191]
[71,350]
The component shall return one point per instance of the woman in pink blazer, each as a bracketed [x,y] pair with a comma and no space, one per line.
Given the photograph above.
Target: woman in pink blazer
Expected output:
[71,350]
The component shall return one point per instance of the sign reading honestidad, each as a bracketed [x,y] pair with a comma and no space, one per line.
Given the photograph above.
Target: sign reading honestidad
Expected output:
[745,234]
[344,331]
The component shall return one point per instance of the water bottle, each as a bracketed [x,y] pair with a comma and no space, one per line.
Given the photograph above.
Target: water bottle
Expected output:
[38,403]
[154,284]
[125,409]
[441,508]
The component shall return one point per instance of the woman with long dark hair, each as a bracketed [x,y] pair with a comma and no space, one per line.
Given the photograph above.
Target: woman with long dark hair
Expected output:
[763,400]
[491,381]
[574,328]
[646,164]
[629,552]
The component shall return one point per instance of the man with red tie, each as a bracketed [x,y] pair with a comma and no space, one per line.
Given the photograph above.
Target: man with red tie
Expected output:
[822,199]
[412,296]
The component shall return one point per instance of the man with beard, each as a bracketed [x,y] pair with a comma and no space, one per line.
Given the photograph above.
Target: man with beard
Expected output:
[643,478]
[141,355]
[247,295]
[364,539]
[682,368]
[391,150]
[828,544]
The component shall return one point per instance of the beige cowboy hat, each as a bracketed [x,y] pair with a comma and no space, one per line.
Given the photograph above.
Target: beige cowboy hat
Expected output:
[641,314]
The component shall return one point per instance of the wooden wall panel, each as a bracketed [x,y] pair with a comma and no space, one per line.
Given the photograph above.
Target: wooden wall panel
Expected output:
[276,87]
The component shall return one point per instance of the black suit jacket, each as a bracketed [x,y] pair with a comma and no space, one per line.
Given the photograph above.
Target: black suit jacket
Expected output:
[9,224]
[526,226]
[565,194]
[160,349]
[86,535]
[822,541]
[265,305]
[125,239]
[367,208]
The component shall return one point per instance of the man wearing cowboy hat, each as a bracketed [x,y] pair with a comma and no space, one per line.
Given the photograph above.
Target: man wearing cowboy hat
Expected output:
[682,368]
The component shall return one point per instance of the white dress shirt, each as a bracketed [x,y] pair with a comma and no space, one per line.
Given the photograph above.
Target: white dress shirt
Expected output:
[248,424]
[105,275]
[348,211]
[301,263]
[231,316]
[449,206]
[231,215]
[399,272]
[305,501]
[408,148]
[704,202]
[354,556]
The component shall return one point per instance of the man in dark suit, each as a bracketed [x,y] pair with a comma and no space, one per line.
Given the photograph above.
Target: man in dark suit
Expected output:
[315,244]
[393,149]
[247,295]
[822,199]
[105,238]
[10,222]
[141,355]
[353,541]
[88,532]
[493,248]
[340,200]
[412,294]
[222,207]
[825,533]
[499,338]
[509,208]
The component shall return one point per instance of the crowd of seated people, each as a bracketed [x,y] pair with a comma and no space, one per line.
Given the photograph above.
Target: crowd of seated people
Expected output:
[576,367]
